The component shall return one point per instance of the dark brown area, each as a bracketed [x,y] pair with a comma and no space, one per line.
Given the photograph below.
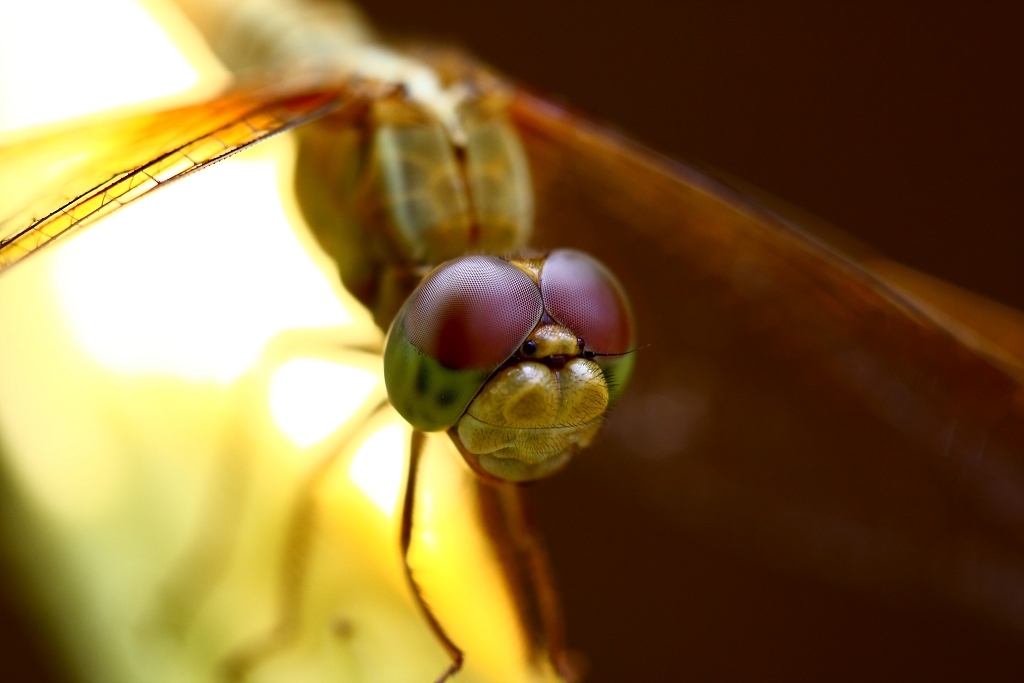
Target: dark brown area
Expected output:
[25,654]
[831,462]
[897,122]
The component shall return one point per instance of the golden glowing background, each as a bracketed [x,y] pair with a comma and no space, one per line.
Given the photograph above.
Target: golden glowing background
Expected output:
[170,383]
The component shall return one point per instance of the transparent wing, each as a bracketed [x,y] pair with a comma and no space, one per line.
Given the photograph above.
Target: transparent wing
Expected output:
[53,185]
[788,404]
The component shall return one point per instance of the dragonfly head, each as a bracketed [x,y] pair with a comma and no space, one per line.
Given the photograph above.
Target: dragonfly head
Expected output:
[519,361]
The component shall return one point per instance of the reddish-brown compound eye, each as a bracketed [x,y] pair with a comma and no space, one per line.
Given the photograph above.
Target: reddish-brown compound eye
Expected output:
[580,293]
[472,312]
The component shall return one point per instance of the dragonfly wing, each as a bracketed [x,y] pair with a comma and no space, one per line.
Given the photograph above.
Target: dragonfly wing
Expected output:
[787,402]
[52,185]
[989,328]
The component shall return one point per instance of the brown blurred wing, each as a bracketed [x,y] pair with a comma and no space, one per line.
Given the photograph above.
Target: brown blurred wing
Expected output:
[52,185]
[786,400]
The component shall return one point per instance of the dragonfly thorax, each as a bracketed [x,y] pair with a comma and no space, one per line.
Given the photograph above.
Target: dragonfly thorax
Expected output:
[389,193]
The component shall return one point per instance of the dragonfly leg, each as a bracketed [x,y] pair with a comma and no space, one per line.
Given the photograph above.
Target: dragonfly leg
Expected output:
[524,561]
[408,505]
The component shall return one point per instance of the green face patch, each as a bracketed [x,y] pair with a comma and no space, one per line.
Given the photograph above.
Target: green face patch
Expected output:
[428,395]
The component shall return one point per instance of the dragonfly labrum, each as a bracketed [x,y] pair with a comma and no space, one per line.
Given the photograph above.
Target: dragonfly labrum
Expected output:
[813,439]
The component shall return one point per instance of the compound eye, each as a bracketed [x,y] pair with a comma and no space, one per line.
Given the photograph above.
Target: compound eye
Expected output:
[582,294]
[472,312]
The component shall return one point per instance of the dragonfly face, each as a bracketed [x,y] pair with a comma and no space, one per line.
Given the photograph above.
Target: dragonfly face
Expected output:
[517,358]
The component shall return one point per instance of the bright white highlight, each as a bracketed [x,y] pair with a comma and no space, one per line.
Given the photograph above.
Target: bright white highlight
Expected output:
[377,466]
[311,398]
[99,55]
[193,280]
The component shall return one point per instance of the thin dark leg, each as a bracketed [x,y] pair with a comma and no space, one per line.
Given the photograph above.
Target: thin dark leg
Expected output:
[524,561]
[408,506]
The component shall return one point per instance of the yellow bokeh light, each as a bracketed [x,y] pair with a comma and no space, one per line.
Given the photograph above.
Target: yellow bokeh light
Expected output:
[193,280]
[189,285]
[311,398]
[378,465]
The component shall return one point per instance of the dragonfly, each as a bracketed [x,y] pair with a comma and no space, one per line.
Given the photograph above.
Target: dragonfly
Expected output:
[752,274]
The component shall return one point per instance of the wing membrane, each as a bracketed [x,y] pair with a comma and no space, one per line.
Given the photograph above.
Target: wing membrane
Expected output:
[786,400]
[51,186]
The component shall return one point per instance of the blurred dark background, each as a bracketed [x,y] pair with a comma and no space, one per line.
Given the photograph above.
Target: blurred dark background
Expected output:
[898,122]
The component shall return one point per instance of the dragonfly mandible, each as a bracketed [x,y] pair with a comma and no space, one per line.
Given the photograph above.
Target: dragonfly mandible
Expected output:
[755,410]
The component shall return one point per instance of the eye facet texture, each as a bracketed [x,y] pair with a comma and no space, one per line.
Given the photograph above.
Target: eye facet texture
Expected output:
[472,312]
[580,293]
